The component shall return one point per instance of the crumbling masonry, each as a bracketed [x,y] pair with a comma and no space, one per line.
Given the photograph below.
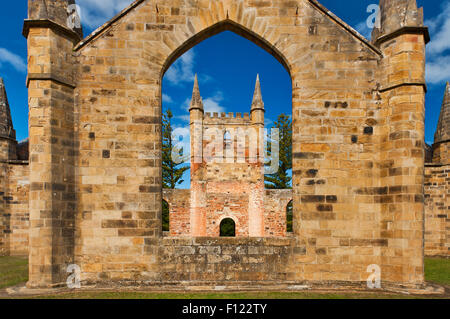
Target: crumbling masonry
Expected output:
[92,191]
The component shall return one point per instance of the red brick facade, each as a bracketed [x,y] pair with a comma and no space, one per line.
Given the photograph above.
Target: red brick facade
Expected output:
[227,179]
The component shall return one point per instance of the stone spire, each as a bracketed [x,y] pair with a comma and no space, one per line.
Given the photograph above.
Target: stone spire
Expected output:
[396,14]
[257,103]
[196,102]
[62,12]
[6,125]
[443,128]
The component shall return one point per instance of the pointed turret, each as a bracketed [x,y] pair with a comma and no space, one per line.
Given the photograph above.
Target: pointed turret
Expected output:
[196,102]
[443,128]
[257,110]
[63,12]
[257,103]
[396,15]
[6,125]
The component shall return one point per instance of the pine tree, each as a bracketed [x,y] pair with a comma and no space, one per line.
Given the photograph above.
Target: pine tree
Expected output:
[289,217]
[172,171]
[281,179]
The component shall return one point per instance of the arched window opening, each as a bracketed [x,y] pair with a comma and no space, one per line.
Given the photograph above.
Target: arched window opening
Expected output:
[289,217]
[227,228]
[165,216]
[227,138]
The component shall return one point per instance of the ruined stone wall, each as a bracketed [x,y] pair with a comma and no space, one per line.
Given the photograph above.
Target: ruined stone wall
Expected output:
[179,213]
[357,134]
[14,219]
[335,113]
[275,205]
[437,219]
[441,152]
[231,178]
[18,208]
[226,260]
[5,220]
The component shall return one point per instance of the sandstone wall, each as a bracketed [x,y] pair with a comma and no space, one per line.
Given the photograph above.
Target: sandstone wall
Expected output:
[96,145]
[336,132]
[18,207]
[225,260]
[5,219]
[15,219]
[437,219]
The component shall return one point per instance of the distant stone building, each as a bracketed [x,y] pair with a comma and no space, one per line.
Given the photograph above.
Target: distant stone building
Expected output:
[227,176]
[14,185]
[437,186]
[92,192]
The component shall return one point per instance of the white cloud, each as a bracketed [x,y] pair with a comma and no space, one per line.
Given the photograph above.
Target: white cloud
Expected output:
[213,104]
[167,99]
[184,118]
[186,104]
[363,29]
[440,30]
[438,65]
[182,70]
[15,60]
[438,69]
[96,12]
[210,104]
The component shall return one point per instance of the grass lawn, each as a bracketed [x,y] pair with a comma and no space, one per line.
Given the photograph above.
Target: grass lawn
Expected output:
[437,270]
[225,295]
[14,270]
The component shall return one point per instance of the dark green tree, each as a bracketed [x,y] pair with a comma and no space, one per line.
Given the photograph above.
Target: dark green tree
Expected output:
[172,170]
[282,178]
[289,217]
[165,216]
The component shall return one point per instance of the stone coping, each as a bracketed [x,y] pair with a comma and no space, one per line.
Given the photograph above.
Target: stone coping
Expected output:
[267,286]
[222,241]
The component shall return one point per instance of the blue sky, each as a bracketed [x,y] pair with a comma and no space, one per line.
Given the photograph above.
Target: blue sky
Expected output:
[227,64]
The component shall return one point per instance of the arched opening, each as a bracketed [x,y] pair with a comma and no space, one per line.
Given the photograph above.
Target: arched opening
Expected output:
[165,216]
[226,25]
[231,97]
[227,228]
[227,138]
[289,217]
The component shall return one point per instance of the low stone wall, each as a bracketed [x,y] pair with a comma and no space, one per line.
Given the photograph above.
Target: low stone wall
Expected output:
[275,205]
[18,208]
[14,215]
[179,214]
[225,259]
[4,215]
[437,218]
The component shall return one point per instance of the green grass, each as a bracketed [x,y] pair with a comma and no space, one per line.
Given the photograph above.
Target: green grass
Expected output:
[13,271]
[238,295]
[437,270]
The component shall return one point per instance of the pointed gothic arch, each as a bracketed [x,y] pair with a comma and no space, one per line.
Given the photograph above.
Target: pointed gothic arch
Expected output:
[222,26]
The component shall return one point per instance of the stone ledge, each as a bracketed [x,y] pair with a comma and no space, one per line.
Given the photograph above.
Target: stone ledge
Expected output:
[217,241]
[243,286]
